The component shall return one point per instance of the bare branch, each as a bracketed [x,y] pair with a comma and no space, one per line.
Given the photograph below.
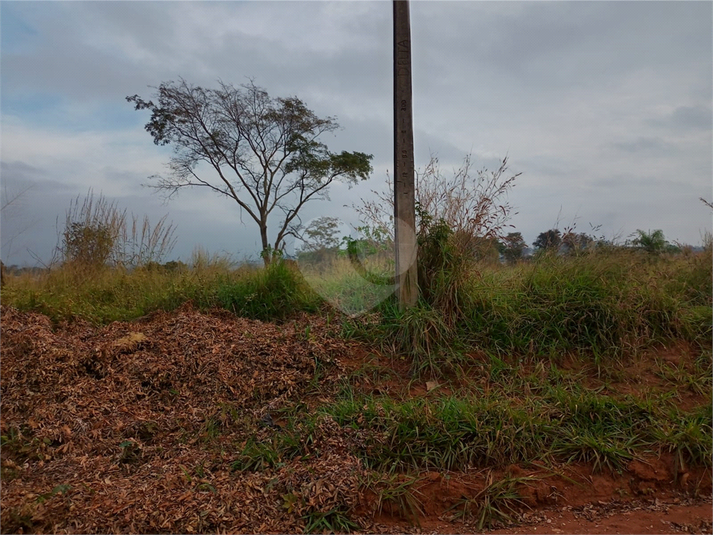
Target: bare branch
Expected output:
[473,205]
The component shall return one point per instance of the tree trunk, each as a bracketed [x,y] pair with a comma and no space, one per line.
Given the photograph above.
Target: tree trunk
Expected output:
[266,252]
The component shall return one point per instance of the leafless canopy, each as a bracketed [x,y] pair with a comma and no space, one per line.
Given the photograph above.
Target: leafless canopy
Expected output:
[263,153]
[474,205]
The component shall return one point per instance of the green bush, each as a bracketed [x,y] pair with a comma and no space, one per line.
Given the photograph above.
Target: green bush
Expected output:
[274,293]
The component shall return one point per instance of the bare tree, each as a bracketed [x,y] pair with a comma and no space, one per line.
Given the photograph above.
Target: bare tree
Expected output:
[263,153]
[473,205]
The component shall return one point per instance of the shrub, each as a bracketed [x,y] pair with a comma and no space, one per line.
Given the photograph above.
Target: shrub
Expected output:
[98,234]
[274,293]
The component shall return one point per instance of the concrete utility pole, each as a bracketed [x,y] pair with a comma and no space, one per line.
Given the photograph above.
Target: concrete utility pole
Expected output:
[404,191]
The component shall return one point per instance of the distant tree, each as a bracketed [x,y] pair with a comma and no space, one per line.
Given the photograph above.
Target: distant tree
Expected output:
[319,239]
[707,203]
[512,247]
[549,240]
[263,153]
[372,242]
[321,234]
[576,242]
[653,242]
[486,250]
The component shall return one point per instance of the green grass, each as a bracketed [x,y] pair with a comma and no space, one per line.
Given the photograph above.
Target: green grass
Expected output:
[518,405]
[397,494]
[493,430]
[497,503]
[688,435]
[697,380]
[333,521]
[337,282]
[603,305]
[274,293]
[105,295]
[600,304]
[261,455]
[520,419]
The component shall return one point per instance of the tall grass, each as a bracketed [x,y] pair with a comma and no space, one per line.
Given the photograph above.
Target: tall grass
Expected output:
[604,304]
[102,294]
[273,293]
[600,304]
[337,281]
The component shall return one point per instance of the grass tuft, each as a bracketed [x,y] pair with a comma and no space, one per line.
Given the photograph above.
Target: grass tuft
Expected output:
[498,503]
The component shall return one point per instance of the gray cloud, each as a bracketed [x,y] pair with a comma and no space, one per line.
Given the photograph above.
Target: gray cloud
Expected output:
[651,146]
[18,176]
[19,171]
[604,106]
[684,118]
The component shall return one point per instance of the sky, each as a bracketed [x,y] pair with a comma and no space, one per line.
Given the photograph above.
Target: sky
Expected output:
[604,107]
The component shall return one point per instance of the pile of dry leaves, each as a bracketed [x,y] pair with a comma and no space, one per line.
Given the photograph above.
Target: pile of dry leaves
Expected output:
[137,426]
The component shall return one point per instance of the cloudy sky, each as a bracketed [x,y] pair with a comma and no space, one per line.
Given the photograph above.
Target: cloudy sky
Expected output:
[604,107]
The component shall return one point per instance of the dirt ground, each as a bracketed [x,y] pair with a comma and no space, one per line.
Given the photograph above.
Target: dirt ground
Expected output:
[654,517]
[663,516]
[135,427]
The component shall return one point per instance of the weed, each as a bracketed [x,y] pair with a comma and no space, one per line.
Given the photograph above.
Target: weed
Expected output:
[422,333]
[59,489]
[397,494]
[130,452]
[334,521]
[258,455]
[497,503]
[603,450]
[21,520]
[22,445]
[206,487]
[292,502]
[688,436]
[490,429]
[115,294]
[697,381]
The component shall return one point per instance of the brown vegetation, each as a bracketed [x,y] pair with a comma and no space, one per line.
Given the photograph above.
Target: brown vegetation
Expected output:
[140,427]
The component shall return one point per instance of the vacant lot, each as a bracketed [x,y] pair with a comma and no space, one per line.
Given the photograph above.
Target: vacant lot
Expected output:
[198,420]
